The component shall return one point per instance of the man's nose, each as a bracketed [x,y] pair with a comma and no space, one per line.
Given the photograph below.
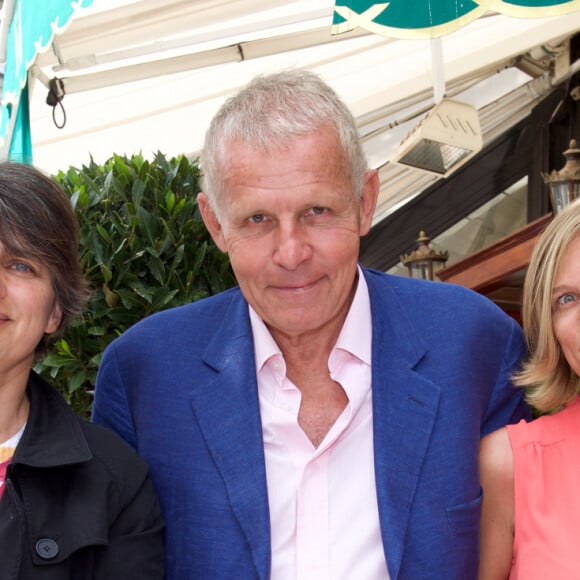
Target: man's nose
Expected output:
[292,246]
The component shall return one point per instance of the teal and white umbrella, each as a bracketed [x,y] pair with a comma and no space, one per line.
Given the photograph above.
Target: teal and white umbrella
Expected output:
[33,24]
[434,18]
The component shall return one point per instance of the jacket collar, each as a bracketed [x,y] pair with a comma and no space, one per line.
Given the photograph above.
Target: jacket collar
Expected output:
[53,435]
[405,406]
[226,405]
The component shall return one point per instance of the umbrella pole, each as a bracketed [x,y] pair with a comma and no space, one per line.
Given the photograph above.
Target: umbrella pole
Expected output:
[437,69]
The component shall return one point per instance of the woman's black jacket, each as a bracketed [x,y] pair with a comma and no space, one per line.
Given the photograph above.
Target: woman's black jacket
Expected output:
[78,502]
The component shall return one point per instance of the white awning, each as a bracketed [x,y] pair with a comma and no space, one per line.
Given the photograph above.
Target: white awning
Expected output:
[147,76]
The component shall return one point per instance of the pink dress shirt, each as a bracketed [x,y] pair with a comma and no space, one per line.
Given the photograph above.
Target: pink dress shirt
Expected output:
[323,506]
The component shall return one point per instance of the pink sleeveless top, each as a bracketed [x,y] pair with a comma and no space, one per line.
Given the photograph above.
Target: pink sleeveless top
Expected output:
[547,496]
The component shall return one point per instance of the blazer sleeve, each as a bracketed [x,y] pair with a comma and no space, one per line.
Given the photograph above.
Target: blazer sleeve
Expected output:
[506,404]
[110,406]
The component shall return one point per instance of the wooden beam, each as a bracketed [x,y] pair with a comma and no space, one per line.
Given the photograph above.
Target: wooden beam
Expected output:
[484,270]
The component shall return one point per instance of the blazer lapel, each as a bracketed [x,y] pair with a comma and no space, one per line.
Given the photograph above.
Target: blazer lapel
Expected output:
[404,411]
[225,402]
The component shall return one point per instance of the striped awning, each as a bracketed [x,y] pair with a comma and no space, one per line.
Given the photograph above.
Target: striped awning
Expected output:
[28,29]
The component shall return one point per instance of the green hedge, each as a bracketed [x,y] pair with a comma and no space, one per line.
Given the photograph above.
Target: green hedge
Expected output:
[143,248]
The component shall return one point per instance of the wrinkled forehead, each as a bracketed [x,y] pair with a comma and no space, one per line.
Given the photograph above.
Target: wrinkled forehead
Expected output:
[276,144]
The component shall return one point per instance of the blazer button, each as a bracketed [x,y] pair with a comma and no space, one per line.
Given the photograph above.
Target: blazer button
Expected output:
[46,548]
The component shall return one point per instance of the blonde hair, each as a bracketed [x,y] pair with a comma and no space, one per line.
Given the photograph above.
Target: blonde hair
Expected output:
[547,375]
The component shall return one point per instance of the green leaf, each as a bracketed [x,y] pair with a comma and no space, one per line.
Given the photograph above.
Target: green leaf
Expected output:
[137,192]
[146,224]
[96,330]
[106,273]
[56,360]
[169,200]
[103,234]
[63,347]
[76,381]
[162,298]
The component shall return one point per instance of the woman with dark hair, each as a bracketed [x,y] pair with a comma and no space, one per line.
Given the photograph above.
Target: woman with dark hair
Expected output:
[75,501]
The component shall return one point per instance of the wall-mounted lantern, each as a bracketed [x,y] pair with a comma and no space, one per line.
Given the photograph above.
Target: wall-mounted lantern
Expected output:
[424,262]
[565,184]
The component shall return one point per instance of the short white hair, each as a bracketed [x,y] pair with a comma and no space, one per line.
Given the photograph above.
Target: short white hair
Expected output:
[269,112]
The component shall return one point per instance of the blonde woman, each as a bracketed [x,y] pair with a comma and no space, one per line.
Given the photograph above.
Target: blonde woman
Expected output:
[530,472]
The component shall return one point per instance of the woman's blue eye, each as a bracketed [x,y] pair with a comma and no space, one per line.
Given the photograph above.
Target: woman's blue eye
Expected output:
[21,267]
[566,299]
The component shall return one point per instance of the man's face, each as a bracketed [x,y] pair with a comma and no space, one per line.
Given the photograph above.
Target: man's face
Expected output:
[291,227]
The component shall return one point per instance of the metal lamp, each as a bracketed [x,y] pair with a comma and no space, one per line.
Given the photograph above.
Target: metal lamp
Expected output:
[565,184]
[444,140]
[424,262]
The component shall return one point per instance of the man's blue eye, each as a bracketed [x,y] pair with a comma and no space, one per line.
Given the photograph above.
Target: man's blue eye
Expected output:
[257,219]
[317,210]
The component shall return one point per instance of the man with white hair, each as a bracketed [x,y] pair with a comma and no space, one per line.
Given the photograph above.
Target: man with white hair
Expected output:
[321,420]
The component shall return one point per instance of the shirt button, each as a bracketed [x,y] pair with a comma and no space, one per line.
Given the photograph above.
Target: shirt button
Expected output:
[46,548]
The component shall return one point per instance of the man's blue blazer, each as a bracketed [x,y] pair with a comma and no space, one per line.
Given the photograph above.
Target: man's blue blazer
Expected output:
[180,387]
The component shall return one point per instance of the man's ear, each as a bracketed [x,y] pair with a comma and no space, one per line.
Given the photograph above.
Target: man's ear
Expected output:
[211,222]
[368,201]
